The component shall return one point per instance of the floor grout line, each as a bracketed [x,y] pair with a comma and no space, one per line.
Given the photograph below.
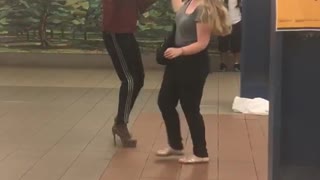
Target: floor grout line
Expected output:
[251,149]
[57,141]
[117,150]
[91,140]
[106,81]
[45,124]
[218,151]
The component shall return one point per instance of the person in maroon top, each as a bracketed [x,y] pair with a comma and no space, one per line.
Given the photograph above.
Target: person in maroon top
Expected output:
[119,25]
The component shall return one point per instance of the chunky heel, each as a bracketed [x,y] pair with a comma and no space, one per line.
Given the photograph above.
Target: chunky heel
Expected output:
[122,132]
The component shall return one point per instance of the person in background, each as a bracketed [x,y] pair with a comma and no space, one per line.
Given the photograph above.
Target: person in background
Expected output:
[232,42]
[184,77]
[119,25]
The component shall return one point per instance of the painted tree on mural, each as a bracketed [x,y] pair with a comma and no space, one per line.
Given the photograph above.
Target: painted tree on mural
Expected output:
[34,14]
[159,17]
[77,15]
[16,17]
[4,10]
[41,15]
[92,18]
[58,23]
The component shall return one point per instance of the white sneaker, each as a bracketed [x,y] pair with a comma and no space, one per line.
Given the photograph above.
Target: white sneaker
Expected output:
[169,152]
[194,160]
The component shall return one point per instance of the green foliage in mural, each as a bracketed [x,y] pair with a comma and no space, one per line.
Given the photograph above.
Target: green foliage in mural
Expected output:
[4,10]
[43,15]
[159,17]
[87,16]
[76,24]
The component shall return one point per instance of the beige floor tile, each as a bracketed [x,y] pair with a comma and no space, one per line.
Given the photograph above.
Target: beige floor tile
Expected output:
[89,165]
[63,128]
[229,170]
[228,89]
[52,166]
[161,168]
[200,172]
[17,164]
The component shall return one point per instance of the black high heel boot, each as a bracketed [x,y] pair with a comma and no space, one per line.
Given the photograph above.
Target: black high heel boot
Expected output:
[122,131]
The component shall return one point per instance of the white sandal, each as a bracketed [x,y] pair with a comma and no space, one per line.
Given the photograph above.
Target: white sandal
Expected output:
[194,160]
[169,152]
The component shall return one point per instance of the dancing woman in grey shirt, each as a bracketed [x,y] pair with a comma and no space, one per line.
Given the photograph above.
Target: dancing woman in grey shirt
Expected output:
[185,76]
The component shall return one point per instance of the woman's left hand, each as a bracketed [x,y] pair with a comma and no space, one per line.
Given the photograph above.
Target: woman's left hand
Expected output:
[172,53]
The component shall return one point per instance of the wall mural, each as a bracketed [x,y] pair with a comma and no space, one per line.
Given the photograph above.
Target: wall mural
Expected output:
[70,26]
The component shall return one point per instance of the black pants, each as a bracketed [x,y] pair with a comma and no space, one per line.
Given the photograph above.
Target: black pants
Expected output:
[231,42]
[126,58]
[184,81]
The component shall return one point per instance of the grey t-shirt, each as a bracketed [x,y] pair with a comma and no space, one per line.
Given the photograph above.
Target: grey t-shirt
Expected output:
[186,29]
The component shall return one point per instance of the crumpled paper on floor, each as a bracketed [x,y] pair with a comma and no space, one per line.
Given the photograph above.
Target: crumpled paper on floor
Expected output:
[255,106]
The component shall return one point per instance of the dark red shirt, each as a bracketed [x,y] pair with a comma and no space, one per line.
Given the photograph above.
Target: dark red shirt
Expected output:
[121,16]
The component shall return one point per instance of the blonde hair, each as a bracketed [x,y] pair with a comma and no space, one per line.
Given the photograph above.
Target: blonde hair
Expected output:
[215,14]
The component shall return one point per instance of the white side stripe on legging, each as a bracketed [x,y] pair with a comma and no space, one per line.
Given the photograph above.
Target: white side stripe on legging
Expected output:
[129,78]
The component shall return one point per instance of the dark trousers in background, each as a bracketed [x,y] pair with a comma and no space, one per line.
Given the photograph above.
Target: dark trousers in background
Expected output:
[126,58]
[184,81]
[232,41]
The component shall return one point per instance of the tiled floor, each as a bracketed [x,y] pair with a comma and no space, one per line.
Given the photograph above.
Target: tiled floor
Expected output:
[55,125]
[237,146]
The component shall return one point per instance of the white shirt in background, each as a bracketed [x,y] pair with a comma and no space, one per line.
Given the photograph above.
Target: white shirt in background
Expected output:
[234,12]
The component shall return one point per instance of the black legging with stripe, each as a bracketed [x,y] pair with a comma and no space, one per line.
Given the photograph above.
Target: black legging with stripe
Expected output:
[126,58]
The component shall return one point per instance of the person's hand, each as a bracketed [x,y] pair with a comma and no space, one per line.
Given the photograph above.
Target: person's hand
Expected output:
[172,53]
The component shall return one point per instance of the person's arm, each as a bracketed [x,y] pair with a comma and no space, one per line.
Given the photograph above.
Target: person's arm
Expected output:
[203,39]
[108,9]
[176,4]
[203,35]
[143,5]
